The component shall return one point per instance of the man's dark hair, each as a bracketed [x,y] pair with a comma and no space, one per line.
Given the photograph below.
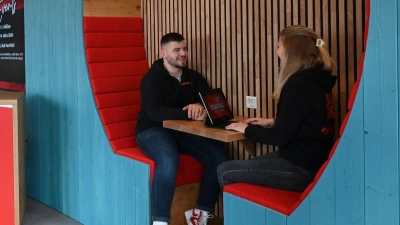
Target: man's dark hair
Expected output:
[171,37]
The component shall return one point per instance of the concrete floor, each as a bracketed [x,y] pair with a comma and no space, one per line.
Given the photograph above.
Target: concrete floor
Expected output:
[37,213]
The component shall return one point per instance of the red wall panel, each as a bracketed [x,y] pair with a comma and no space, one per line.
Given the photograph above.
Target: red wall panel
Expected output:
[6,167]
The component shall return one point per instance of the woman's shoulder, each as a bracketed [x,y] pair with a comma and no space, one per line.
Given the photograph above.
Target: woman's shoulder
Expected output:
[304,79]
[298,79]
[317,70]
[295,86]
[311,75]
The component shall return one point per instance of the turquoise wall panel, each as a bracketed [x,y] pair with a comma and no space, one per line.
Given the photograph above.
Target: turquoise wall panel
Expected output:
[272,218]
[350,167]
[238,211]
[381,111]
[235,218]
[255,214]
[323,198]
[301,216]
[70,164]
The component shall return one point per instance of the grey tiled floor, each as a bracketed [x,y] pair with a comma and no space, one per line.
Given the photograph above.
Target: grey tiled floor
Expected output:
[37,213]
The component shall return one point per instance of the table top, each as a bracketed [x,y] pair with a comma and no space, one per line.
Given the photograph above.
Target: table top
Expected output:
[10,98]
[197,128]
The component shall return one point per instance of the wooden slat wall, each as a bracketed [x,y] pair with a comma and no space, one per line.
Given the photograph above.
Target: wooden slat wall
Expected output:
[233,44]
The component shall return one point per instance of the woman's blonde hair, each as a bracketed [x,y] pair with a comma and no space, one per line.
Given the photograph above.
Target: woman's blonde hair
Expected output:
[301,52]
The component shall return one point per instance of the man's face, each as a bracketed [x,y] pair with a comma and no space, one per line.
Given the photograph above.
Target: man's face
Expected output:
[175,53]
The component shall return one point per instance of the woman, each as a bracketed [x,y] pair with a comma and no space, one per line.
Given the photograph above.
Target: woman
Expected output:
[304,124]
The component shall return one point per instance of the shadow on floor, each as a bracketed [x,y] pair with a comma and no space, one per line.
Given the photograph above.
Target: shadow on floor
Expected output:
[37,213]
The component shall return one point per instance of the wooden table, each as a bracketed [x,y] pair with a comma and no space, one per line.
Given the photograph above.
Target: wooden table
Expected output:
[197,128]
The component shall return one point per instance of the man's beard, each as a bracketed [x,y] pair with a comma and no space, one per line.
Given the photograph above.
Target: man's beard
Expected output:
[175,63]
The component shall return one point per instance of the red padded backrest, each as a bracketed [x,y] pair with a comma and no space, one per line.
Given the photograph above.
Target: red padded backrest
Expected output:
[279,200]
[117,62]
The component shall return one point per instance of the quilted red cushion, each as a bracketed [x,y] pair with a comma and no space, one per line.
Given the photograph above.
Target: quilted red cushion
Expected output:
[119,69]
[117,62]
[279,200]
[102,40]
[188,168]
[112,24]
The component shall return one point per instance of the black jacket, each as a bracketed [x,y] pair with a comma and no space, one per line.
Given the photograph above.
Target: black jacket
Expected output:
[163,96]
[305,119]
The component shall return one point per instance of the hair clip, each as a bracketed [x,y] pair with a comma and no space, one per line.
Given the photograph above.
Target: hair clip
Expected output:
[320,43]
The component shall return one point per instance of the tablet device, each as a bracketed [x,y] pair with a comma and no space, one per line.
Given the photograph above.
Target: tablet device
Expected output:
[216,105]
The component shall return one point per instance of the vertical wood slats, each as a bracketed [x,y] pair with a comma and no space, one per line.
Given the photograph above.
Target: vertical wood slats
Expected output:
[233,43]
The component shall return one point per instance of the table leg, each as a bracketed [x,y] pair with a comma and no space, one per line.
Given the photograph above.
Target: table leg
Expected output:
[249,146]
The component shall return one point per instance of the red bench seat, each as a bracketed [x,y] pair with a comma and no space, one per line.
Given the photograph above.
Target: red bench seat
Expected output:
[282,201]
[286,201]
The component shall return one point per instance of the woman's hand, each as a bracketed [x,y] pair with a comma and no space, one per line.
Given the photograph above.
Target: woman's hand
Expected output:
[195,111]
[241,126]
[260,122]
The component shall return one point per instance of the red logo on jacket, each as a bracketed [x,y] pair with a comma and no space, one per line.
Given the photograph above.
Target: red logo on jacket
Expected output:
[330,109]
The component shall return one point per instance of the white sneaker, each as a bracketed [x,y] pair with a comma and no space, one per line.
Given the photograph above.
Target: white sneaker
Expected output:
[197,217]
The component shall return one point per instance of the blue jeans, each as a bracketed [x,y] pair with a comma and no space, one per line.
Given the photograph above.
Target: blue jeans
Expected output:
[162,145]
[266,170]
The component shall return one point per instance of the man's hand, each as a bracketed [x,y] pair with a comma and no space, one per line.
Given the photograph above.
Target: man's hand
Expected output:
[196,111]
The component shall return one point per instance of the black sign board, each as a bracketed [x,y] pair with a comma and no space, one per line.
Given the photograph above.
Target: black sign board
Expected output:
[12,45]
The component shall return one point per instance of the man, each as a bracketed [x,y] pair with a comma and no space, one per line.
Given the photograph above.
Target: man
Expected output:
[169,91]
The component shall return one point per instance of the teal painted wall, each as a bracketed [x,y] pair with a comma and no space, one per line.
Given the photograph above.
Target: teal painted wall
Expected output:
[361,183]
[70,164]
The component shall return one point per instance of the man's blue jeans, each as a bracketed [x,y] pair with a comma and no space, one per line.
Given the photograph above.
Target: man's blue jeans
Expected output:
[268,170]
[162,145]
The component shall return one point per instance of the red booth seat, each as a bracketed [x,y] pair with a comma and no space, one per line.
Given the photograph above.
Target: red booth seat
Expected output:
[286,201]
[117,62]
[282,201]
